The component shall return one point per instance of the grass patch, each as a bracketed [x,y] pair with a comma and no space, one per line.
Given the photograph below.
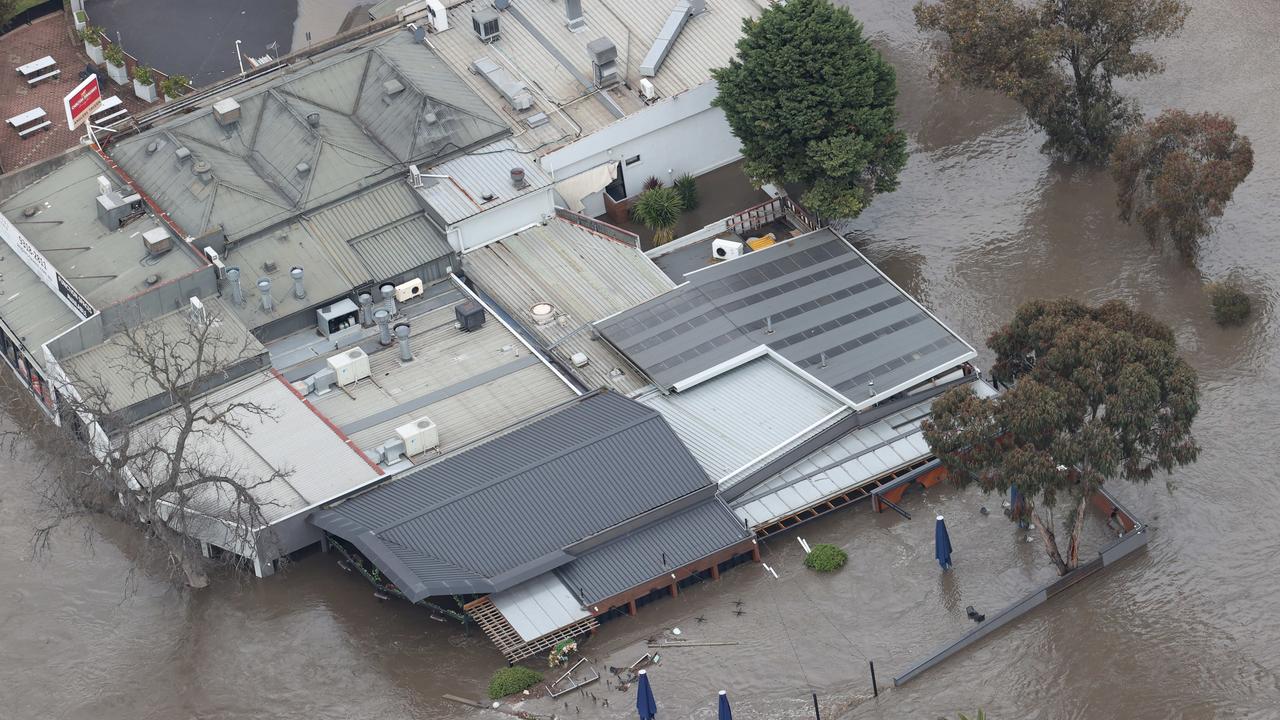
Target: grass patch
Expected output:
[826,558]
[511,680]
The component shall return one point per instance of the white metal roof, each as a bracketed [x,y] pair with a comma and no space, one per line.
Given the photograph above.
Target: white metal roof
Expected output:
[744,415]
[536,46]
[486,171]
[854,460]
[538,606]
[294,439]
[584,276]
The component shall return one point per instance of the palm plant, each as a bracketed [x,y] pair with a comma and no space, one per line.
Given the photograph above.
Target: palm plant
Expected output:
[659,210]
[688,189]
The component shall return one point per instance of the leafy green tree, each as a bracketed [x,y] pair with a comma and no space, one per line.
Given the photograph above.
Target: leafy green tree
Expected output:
[1097,393]
[1177,172]
[1057,58]
[659,210]
[813,103]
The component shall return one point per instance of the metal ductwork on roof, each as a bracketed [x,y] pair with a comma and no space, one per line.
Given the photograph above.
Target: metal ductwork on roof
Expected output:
[573,15]
[662,44]
[515,91]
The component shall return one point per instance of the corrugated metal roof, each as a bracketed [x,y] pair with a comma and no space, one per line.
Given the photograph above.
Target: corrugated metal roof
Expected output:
[506,510]
[112,366]
[814,300]
[363,134]
[854,460]
[744,415]
[539,606]
[315,464]
[584,276]
[378,234]
[653,551]
[557,73]
[484,171]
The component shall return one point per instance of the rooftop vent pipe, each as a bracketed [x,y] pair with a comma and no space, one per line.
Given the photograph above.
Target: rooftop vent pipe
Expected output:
[402,336]
[264,287]
[389,298]
[366,310]
[299,291]
[237,292]
[517,178]
[313,119]
[203,170]
[383,318]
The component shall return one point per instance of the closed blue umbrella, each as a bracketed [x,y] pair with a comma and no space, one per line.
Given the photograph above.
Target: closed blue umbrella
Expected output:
[645,704]
[725,712]
[942,544]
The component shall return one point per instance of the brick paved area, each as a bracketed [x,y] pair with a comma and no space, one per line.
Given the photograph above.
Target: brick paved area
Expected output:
[50,35]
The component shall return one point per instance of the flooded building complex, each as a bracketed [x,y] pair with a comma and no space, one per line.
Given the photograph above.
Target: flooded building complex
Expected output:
[485,398]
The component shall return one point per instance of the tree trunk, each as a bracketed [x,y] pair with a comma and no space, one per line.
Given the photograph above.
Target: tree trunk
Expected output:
[1073,554]
[1050,543]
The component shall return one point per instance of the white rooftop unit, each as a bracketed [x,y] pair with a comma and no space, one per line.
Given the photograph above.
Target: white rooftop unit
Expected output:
[722,249]
[419,436]
[515,91]
[349,366]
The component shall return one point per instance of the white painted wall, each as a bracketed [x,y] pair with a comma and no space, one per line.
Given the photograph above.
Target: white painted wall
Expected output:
[677,135]
[501,220]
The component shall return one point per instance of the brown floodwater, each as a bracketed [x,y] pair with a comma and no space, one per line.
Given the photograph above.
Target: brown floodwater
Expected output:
[1188,628]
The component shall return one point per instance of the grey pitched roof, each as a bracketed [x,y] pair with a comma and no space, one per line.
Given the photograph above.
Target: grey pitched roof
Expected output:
[364,133]
[509,509]
[814,300]
[653,551]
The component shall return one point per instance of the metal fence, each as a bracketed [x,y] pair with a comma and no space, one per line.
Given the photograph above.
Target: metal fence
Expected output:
[48,7]
[597,226]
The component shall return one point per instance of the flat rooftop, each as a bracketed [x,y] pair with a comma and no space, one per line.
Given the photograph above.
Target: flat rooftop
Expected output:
[104,266]
[291,457]
[582,276]
[364,239]
[536,47]
[472,384]
[114,368]
[814,301]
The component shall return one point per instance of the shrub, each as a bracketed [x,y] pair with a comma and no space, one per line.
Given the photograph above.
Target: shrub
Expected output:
[114,55]
[825,558]
[175,86]
[142,74]
[511,680]
[651,183]
[1231,305]
[92,34]
[81,16]
[687,188]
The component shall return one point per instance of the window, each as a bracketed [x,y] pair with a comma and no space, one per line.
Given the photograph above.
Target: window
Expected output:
[633,160]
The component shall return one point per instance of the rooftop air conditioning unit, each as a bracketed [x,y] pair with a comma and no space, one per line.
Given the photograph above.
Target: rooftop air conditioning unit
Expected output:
[725,249]
[485,23]
[409,290]
[349,366]
[647,89]
[419,436]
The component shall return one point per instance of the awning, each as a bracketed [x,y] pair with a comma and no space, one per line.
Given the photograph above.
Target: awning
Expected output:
[585,183]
